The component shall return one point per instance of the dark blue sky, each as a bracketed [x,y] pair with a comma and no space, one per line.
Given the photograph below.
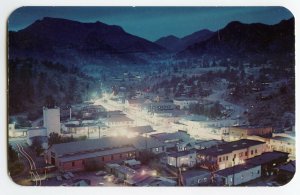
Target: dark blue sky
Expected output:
[153,22]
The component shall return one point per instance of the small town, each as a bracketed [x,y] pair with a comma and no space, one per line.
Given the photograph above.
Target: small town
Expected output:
[145,142]
[90,104]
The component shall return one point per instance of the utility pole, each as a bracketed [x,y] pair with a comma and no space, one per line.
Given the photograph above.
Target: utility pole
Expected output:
[99,131]
[233,171]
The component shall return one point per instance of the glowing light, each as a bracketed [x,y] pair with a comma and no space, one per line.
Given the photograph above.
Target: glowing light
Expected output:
[154,173]
[143,172]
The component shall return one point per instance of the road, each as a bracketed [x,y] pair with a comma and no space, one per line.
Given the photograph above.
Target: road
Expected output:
[217,96]
[139,117]
[36,177]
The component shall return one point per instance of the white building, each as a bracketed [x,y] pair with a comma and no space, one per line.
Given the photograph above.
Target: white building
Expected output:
[184,103]
[283,144]
[183,158]
[238,175]
[13,132]
[196,178]
[51,120]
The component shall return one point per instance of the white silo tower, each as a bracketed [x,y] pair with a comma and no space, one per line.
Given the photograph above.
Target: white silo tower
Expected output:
[51,120]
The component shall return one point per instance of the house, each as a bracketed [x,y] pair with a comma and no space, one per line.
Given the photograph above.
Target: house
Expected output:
[203,144]
[184,103]
[268,161]
[182,158]
[283,144]
[148,143]
[237,174]
[172,139]
[229,154]
[196,178]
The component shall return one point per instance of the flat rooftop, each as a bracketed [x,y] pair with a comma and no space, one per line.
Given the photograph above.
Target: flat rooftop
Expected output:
[229,147]
[104,143]
[235,169]
[267,157]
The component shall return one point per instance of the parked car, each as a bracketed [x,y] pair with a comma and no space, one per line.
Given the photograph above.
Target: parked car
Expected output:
[70,174]
[66,176]
[118,181]
[58,178]
[101,184]
[101,173]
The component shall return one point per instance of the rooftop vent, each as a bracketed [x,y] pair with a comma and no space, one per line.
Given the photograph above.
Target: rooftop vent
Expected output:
[234,146]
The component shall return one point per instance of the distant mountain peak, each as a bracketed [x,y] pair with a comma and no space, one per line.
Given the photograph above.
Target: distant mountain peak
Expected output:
[173,43]
[68,40]
[244,39]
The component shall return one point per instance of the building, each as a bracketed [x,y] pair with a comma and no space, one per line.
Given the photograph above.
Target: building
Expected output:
[118,120]
[196,178]
[183,158]
[184,103]
[13,132]
[203,144]
[89,128]
[37,135]
[268,161]
[237,175]
[242,132]
[51,119]
[81,155]
[229,154]
[158,106]
[132,163]
[123,172]
[283,144]
[171,140]
[148,143]
[77,156]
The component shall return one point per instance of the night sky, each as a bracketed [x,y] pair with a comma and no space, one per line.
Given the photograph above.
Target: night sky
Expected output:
[153,22]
